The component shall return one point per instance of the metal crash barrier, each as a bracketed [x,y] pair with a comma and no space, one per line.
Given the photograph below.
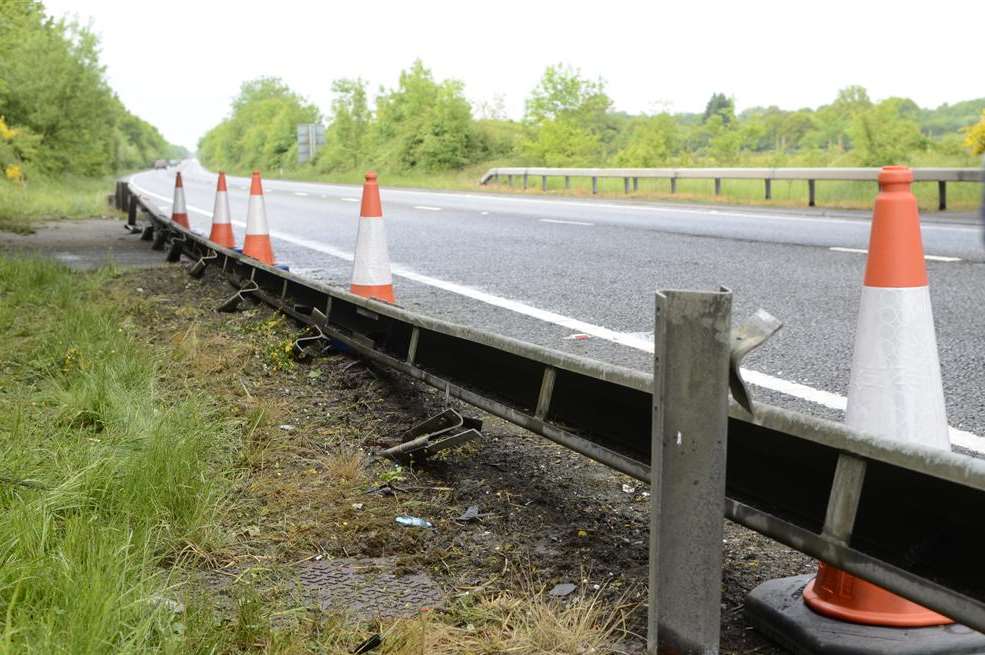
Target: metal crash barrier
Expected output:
[907,518]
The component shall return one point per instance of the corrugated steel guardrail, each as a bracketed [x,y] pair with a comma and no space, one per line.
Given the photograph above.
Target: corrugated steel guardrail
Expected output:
[907,518]
[940,175]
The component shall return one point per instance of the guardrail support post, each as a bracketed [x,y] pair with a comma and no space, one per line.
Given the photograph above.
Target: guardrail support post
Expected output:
[673,185]
[687,468]
[543,183]
[625,185]
[769,188]
[595,185]
[810,193]
[718,186]
[132,210]
[636,184]
[525,181]
[567,181]
[509,180]
[941,195]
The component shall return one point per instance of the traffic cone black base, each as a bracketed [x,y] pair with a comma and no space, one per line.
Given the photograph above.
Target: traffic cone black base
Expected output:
[776,608]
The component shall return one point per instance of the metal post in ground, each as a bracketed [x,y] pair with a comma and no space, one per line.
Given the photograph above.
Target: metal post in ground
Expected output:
[509,180]
[625,185]
[543,183]
[810,193]
[673,185]
[718,186]
[941,195]
[636,184]
[595,185]
[567,181]
[525,181]
[687,470]
[132,211]
[769,188]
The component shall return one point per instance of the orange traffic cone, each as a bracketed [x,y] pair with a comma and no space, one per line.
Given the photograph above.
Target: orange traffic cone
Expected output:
[179,214]
[257,242]
[371,276]
[895,389]
[222,230]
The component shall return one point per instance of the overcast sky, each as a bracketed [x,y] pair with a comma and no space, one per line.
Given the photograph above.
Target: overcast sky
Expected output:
[179,63]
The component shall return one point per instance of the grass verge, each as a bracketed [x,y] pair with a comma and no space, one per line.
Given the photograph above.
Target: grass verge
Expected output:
[104,474]
[144,448]
[21,206]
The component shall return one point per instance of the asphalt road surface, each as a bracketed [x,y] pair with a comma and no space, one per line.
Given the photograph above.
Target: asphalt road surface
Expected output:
[545,269]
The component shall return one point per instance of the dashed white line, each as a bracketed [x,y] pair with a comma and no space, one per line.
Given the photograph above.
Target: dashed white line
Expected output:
[300,193]
[349,199]
[932,258]
[632,340]
[554,220]
[428,208]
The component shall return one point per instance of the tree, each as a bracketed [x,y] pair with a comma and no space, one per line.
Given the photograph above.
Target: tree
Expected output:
[654,141]
[563,142]
[425,124]
[346,137]
[974,136]
[883,135]
[261,131]
[563,94]
[720,105]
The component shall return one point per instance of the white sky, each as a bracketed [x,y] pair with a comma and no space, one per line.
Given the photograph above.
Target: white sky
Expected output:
[177,64]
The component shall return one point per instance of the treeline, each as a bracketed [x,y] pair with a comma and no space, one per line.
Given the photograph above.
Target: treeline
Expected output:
[429,125]
[58,115]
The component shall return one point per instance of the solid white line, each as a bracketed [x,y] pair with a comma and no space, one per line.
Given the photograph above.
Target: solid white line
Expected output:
[349,199]
[631,340]
[552,220]
[427,208]
[933,258]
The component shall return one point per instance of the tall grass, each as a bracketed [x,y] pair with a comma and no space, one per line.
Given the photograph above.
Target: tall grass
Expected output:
[21,206]
[104,476]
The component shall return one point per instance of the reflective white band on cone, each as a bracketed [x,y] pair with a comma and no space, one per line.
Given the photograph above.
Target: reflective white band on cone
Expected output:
[371,264]
[895,389]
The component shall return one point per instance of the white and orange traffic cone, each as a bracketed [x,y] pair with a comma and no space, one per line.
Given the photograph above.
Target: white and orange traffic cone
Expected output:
[222,229]
[179,214]
[257,241]
[895,389]
[371,277]
[895,392]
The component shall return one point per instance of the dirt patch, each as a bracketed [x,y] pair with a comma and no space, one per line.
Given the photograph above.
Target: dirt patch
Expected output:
[310,490]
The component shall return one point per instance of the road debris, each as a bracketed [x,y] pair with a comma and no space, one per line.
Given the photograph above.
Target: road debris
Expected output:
[562,590]
[470,514]
[414,522]
[370,644]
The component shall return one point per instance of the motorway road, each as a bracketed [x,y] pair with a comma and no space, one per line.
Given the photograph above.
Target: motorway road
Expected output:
[544,268]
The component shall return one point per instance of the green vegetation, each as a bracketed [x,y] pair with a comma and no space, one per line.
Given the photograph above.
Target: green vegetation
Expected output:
[61,127]
[425,133]
[23,205]
[104,475]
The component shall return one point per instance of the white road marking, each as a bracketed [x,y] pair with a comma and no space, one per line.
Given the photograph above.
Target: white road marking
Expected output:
[861,251]
[643,342]
[300,193]
[349,199]
[552,220]
[428,208]
[484,213]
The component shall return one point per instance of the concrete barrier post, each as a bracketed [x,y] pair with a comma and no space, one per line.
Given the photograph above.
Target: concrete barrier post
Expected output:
[687,470]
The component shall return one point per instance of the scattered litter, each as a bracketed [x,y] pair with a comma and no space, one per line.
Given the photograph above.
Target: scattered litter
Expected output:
[471,514]
[372,643]
[582,533]
[172,605]
[286,427]
[386,490]
[562,590]
[577,337]
[357,506]
[414,522]
[140,290]
[628,489]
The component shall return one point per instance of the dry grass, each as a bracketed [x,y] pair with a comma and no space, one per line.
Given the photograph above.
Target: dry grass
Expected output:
[524,622]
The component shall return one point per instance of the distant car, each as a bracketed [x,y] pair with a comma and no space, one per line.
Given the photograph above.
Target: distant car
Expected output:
[160,163]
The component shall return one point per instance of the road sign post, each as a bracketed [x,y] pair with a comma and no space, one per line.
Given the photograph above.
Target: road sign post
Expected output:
[311,136]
